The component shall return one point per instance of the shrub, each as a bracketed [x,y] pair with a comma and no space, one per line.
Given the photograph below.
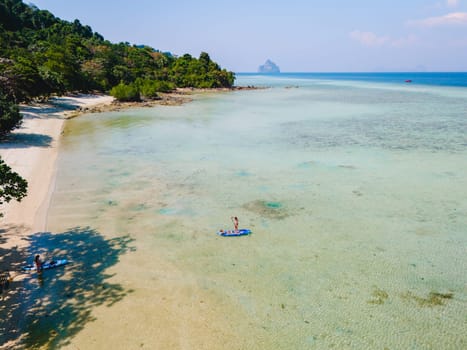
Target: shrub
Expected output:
[149,90]
[126,93]
[164,86]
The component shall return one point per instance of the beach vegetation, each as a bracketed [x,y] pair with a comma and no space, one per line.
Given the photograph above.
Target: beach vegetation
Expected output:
[146,89]
[150,88]
[12,185]
[41,55]
[126,92]
[10,117]
[188,71]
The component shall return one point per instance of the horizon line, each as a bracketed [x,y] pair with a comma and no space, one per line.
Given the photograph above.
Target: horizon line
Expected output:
[349,72]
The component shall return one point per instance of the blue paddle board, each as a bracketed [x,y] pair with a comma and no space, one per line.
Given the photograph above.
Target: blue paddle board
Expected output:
[233,233]
[46,265]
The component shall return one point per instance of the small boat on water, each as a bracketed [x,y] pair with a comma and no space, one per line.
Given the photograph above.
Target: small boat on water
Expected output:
[408,81]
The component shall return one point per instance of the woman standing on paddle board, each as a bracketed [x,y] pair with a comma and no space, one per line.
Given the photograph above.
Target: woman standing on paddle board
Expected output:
[38,262]
[235,222]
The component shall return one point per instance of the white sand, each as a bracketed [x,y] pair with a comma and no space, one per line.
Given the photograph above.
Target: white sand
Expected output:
[32,153]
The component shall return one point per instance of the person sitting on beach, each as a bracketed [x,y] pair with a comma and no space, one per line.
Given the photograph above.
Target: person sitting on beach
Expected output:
[38,262]
[235,222]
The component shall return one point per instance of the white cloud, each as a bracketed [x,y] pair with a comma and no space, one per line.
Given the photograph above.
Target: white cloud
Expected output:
[372,40]
[368,38]
[454,18]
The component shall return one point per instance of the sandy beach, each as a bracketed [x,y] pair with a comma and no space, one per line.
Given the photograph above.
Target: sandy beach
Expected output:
[31,151]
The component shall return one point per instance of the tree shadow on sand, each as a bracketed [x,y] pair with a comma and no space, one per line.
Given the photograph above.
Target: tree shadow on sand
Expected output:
[25,140]
[48,309]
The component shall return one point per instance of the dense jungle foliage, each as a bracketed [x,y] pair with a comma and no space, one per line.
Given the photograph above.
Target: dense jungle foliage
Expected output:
[41,54]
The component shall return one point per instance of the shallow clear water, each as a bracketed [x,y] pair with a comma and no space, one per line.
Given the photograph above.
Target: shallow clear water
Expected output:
[356,193]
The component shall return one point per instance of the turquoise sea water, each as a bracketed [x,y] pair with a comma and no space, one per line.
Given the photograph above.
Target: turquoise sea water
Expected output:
[356,192]
[458,79]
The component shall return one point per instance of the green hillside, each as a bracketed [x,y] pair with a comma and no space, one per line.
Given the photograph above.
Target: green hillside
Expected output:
[41,54]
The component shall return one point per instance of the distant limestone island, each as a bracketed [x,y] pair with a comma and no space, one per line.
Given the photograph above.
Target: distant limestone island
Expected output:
[269,67]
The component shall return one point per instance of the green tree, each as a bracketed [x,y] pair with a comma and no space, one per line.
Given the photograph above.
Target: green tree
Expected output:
[204,60]
[41,54]
[12,186]
[20,77]
[10,117]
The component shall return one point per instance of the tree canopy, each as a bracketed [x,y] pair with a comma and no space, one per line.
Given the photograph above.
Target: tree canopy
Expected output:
[41,54]
[12,186]
[10,118]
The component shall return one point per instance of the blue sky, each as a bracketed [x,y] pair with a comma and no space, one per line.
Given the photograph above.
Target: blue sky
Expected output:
[298,35]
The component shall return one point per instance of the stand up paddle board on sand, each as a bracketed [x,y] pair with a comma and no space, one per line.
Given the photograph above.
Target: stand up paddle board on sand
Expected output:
[233,233]
[46,265]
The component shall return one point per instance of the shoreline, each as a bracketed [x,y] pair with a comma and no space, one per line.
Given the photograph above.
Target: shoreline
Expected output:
[175,98]
[32,151]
